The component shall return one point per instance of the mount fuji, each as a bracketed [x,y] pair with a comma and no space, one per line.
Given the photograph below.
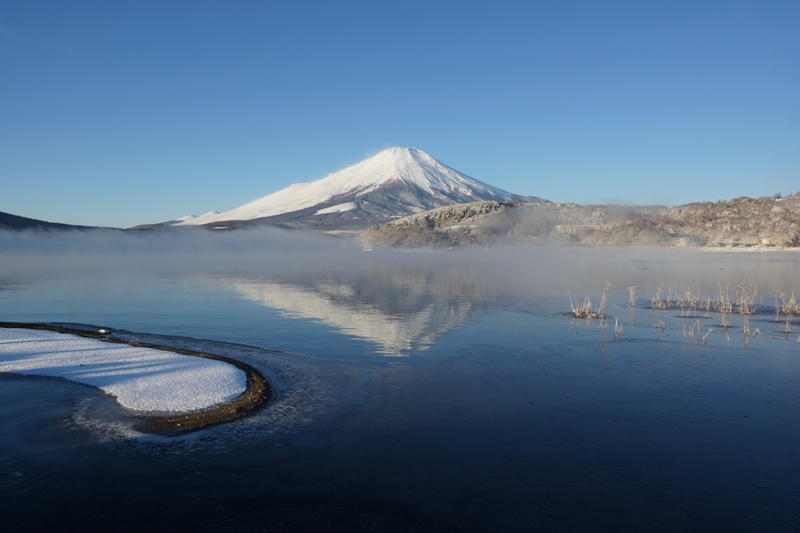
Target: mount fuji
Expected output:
[393,183]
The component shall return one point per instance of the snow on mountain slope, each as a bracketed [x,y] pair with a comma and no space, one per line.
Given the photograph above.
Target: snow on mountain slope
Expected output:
[394,182]
[340,208]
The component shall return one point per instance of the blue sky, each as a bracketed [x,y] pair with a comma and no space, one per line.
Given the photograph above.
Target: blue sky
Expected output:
[122,113]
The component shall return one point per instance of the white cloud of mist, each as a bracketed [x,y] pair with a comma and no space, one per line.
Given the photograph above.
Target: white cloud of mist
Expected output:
[31,253]
[278,254]
[5,30]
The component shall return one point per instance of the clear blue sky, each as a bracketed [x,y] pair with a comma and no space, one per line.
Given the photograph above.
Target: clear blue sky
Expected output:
[128,112]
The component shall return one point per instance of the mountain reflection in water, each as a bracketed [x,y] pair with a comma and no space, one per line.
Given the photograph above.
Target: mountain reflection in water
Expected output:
[400,311]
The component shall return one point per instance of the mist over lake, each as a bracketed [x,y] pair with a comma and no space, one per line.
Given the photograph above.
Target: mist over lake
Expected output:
[440,391]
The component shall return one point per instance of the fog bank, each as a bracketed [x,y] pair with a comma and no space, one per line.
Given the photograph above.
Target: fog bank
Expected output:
[289,255]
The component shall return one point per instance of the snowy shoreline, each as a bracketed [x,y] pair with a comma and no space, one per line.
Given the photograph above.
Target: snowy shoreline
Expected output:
[172,390]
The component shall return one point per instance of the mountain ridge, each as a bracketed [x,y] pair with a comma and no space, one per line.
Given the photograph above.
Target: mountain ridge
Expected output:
[764,223]
[11,222]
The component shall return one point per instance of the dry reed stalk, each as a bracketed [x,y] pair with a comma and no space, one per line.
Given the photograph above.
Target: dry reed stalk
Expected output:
[686,300]
[680,303]
[602,309]
[790,307]
[656,302]
[631,295]
[695,330]
[745,302]
[724,304]
[583,310]
[693,305]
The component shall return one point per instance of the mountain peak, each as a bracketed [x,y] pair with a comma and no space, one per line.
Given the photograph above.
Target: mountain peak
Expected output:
[408,165]
[398,150]
[398,154]
[394,182]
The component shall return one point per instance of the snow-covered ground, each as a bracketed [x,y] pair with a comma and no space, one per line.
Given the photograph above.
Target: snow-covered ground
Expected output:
[141,379]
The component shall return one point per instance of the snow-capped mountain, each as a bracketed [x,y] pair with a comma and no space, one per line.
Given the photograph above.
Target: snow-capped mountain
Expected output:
[393,183]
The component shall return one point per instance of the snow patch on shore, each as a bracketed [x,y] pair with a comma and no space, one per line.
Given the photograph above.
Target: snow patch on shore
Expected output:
[141,379]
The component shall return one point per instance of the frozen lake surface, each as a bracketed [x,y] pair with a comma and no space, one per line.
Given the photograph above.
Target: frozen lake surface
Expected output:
[420,391]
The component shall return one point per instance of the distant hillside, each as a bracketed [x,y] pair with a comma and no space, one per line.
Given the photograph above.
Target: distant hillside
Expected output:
[770,222]
[18,223]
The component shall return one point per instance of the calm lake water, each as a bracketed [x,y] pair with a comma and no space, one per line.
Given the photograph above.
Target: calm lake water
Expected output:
[447,391]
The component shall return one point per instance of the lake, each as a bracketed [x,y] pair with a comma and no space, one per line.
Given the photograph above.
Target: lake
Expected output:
[425,391]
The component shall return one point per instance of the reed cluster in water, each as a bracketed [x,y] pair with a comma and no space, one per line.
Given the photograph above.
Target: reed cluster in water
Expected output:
[693,304]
